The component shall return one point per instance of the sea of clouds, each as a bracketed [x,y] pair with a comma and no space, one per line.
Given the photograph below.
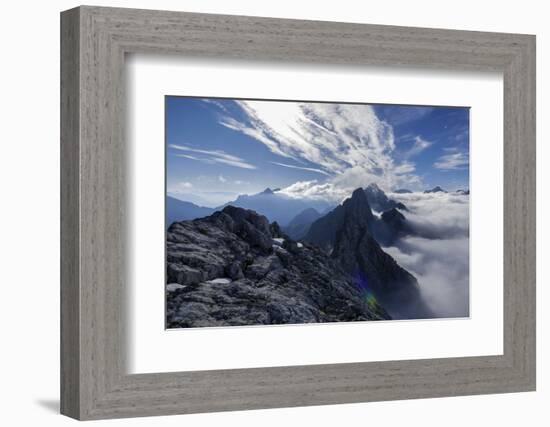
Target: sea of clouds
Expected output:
[439,255]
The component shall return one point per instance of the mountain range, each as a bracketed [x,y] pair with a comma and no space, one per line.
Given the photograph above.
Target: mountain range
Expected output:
[239,258]
[295,215]
[276,206]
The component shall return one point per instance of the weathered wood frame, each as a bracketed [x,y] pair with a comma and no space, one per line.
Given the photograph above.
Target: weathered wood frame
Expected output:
[94,41]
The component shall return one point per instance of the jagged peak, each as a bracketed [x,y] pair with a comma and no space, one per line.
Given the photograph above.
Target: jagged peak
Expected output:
[269,191]
[358,195]
[358,202]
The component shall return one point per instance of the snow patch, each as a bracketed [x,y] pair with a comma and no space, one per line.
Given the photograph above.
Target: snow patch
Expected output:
[220,281]
[171,287]
[279,241]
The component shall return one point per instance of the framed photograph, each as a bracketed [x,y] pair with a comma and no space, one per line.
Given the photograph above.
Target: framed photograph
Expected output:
[262,213]
[277,212]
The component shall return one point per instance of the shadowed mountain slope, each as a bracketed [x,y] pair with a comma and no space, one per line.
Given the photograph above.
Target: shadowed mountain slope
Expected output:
[299,226]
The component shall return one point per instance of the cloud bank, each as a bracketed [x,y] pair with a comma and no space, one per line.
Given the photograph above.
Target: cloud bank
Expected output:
[439,255]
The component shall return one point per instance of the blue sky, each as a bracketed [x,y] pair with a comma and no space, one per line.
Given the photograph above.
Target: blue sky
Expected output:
[219,148]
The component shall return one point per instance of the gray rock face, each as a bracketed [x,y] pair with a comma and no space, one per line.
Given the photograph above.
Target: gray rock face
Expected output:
[266,281]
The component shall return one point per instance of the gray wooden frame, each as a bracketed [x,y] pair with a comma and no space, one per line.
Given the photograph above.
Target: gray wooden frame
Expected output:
[94,41]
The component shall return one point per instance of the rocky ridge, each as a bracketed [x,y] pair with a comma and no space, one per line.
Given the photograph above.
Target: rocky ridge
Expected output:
[235,268]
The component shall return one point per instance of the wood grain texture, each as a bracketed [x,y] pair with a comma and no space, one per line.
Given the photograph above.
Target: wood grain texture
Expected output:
[70,297]
[94,272]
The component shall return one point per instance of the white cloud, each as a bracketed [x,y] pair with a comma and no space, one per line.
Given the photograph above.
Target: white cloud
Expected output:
[180,187]
[442,270]
[455,160]
[215,102]
[212,156]
[315,190]
[441,215]
[222,179]
[346,142]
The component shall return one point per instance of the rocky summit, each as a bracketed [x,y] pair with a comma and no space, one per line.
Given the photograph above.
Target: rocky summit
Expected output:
[324,231]
[235,268]
[349,233]
[379,201]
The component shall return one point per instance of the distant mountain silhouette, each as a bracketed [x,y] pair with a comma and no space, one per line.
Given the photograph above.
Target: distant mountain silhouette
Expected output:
[403,191]
[276,206]
[436,189]
[179,210]
[463,192]
[299,226]
[379,201]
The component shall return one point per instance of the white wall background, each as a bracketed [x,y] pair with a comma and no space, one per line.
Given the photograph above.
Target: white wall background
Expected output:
[29,224]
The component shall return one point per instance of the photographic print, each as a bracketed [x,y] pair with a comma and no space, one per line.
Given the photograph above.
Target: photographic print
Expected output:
[294,212]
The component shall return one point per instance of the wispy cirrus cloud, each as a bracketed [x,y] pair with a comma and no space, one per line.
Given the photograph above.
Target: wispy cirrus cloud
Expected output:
[419,145]
[347,143]
[454,160]
[302,168]
[211,156]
